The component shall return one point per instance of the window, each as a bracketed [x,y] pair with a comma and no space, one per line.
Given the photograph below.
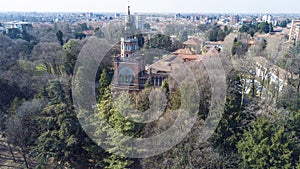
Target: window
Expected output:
[126,76]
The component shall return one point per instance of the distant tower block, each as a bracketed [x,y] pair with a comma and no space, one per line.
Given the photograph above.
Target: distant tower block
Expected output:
[295,31]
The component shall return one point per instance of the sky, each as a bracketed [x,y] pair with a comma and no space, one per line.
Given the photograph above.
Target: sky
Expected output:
[143,6]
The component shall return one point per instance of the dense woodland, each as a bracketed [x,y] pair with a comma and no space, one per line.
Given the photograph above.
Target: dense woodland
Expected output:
[39,124]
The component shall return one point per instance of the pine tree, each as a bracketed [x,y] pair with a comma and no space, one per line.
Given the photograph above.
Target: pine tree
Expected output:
[267,145]
[103,83]
[119,123]
[62,138]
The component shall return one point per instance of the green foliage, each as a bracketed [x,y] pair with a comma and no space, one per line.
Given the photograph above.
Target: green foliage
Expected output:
[165,86]
[252,28]
[142,100]
[26,36]
[14,33]
[183,36]
[147,26]
[263,44]
[267,145]
[59,36]
[71,56]
[175,100]
[283,23]
[84,26]
[217,34]
[249,28]
[148,83]
[239,48]
[62,138]
[109,112]
[104,82]
[79,35]
[159,41]
[264,27]
[230,128]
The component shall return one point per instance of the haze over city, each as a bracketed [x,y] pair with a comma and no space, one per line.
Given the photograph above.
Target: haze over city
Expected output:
[188,6]
[142,84]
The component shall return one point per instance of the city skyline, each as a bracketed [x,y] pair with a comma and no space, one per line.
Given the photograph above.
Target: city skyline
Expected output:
[154,6]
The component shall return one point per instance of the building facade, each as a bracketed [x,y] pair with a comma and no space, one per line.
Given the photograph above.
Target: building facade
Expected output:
[295,31]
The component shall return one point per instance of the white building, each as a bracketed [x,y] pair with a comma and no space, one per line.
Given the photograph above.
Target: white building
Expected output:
[267,18]
[139,22]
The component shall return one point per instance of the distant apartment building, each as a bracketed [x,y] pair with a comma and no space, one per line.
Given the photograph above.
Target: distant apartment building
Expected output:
[267,18]
[295,31]
[234,19]
[22,26]
[273,73]
[139,22]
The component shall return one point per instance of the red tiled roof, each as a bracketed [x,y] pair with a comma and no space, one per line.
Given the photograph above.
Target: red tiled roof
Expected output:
[185,51]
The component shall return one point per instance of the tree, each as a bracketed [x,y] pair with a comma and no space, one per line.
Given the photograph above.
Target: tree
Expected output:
[50,56]
[165,86]
[283,23]
[14,33]
[79,35]
[98,33]
[212,35]
[71,56]
[62,138]
[107,110]
[183,36]
[59,36]
[265,27]
[228,44]
[84,27]
[159,41]
[26,36]
[23,129]
[221,35]
[267,145]
[104,82]
[234,119]
[147,26]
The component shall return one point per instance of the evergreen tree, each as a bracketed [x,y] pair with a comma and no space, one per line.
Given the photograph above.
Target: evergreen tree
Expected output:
[59,36]
[119,123]
[104,82]
[231,125]
[267,145]
[71,56]
[62,138]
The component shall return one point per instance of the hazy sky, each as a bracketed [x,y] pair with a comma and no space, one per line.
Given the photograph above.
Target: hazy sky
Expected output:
[232,6]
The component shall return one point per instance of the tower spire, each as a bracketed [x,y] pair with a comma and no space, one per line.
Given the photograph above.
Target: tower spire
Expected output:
[128,12]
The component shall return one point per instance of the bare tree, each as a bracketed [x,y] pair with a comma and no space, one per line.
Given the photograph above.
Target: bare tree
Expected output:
[23,130]
[228,44]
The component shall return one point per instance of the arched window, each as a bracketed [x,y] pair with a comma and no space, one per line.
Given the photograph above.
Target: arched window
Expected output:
[126,76]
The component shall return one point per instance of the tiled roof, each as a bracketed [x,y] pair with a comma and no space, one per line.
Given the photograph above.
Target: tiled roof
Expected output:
[185,51]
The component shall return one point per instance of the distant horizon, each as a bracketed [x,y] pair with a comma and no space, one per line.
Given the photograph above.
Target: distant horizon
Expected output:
[154,6]
[139,12]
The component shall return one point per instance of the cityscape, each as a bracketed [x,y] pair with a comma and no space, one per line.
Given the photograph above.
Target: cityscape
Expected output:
[165,89]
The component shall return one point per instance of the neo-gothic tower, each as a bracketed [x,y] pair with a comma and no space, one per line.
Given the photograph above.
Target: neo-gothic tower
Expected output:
[129,44]
[129,73]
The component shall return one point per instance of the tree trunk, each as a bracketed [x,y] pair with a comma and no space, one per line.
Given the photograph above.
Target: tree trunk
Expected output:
[262,86]
[298,92]
[253,87]
[243,92]
[25,159]
[11,152]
